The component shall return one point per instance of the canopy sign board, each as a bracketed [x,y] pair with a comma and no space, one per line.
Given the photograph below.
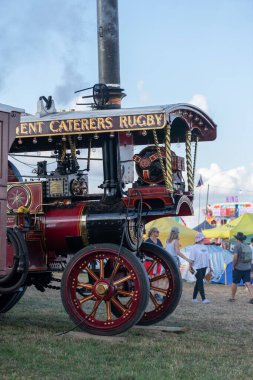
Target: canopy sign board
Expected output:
[91,124]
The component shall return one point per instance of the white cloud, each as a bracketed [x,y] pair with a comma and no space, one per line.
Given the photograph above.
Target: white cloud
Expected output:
[227,181]
[236,181]
[199,101]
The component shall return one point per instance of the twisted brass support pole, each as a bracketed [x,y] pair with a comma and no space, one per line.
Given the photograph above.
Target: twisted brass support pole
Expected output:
[188,160]
[63,153]
[160,157]
[195,158]
[169,179]
[72,147]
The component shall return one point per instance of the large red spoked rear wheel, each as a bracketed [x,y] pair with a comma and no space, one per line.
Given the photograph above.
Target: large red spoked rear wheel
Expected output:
[98,279]
[165,283]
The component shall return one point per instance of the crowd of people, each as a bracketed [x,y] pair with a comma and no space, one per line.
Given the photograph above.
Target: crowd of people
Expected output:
[200,263]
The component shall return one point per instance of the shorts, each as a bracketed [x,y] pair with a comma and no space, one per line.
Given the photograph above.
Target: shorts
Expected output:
[239,275]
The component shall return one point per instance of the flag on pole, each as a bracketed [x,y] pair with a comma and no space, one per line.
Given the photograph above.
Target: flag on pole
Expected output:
[200,181]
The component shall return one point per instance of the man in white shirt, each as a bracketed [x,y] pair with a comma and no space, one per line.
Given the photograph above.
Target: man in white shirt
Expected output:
[199,257]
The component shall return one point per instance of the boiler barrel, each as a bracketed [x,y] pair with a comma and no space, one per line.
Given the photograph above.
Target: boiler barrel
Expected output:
[65,228]
[68,229]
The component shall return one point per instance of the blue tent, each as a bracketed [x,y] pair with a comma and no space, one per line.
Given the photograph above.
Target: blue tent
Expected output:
[203,226]
[221,260]
[226,277]
[222,265]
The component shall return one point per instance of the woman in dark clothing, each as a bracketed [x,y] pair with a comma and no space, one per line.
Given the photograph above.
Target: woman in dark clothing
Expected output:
[153,237]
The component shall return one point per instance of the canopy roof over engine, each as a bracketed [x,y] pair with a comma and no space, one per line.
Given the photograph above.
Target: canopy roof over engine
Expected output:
[182,117]
[9,109]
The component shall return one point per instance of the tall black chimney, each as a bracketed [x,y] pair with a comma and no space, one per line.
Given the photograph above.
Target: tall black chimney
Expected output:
[108,42]
[109,74]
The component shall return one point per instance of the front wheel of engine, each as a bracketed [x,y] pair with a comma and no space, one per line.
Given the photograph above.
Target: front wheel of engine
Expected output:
[99,279]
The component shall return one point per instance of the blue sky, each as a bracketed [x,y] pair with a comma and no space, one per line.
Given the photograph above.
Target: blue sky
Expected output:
[171,51]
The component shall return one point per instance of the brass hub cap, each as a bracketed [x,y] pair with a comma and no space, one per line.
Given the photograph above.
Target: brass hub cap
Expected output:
[102,288]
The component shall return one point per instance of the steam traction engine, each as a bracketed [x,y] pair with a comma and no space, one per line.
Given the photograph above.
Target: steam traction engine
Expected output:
[110,277]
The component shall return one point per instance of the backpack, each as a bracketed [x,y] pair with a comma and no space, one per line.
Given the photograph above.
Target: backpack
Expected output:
[246,254]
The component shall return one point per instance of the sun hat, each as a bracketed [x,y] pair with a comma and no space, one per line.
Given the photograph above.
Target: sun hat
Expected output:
[240,236]
[198,237]
[175,229]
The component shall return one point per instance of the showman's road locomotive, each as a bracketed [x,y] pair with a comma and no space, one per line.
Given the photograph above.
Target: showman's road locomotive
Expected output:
[55,223]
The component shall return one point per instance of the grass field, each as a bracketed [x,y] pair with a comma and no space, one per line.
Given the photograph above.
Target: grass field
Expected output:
[218,345]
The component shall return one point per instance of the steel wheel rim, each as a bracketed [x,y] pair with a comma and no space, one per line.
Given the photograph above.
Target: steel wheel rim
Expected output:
[156,309]
[102,291]
[167,292]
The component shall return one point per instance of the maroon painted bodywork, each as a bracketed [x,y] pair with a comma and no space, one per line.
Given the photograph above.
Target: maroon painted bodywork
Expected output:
[61,222]
[9,119]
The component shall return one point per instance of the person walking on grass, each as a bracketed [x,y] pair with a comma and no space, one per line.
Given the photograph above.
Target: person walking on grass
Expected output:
[241,266]
[173,246]
[200,261]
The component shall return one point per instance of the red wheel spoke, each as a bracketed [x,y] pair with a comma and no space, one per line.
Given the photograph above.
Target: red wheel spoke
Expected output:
[154,300]
[95,308]
[125,293]
[82,285]
[115,270]
[92,274]
[156,289]
[151,266]
[85,299]
[157,278]
[102,272]
[108,311]
[127,305]
[118,305]
[123,279]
